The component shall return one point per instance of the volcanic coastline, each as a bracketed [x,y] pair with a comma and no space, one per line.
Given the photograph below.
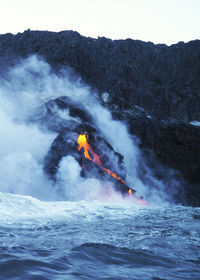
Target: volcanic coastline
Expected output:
[153,89]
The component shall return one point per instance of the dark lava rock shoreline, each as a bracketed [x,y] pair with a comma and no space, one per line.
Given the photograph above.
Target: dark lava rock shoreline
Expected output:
[155,89]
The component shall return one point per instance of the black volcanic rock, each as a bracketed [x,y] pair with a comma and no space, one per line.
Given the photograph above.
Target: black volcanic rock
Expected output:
[66,143]
[63,113]
[175,144]
[163,80]
[155,89]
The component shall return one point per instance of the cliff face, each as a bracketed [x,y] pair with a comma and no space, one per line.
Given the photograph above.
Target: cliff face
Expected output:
[154,88]
[162,80]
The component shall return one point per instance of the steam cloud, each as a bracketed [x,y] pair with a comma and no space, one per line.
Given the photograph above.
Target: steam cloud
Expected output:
[24,90]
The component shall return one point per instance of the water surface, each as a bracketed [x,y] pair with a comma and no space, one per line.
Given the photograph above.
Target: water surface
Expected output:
[95,240]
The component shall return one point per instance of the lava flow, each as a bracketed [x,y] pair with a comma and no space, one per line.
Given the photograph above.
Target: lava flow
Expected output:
[82,142]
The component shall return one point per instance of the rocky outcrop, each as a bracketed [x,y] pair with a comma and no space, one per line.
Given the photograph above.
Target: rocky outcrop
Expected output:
[102,160]
[175,144]
[155,89]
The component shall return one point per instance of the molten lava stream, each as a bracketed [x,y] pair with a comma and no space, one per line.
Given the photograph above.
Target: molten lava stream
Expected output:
[82,143]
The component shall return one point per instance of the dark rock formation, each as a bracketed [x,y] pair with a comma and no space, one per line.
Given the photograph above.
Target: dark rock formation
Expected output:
[155,89]
[74,112]
[66,144]
[175,144]
[163,80]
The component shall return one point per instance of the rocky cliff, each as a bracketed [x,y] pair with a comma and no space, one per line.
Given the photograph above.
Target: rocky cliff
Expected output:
[155,89]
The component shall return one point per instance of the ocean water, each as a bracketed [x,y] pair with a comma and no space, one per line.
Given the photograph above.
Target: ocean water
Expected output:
[97,240]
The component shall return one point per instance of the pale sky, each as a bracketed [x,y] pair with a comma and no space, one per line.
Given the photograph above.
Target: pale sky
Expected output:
[158,21]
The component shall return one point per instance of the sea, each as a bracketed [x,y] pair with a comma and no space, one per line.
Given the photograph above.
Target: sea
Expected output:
[97,240]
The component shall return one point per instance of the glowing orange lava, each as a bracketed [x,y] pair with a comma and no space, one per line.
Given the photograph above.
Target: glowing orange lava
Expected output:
[89,154]
[130,192]
[82,142]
